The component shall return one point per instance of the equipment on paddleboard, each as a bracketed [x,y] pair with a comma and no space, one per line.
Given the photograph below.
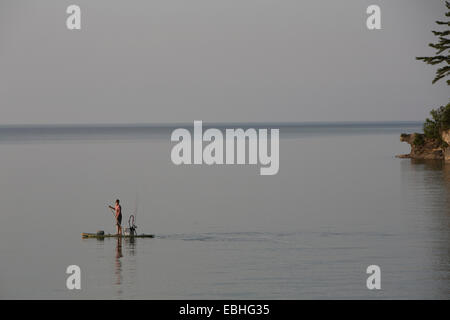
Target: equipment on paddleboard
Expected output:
[102,236]
[131,230]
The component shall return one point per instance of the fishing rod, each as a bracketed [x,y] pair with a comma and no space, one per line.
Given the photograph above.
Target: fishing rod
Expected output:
[136,207]
[113,210]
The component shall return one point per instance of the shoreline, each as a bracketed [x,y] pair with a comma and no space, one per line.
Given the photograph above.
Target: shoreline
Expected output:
[423,148]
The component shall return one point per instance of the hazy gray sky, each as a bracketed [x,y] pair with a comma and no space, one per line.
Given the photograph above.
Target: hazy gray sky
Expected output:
[216,60]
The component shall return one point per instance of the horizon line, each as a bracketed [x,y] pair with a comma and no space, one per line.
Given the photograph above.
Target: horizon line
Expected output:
[207,123]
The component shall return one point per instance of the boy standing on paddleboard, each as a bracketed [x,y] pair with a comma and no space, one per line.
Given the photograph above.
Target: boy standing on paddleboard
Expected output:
[118,212]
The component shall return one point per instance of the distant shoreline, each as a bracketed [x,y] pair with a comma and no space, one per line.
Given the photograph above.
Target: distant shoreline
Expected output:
[104,132]
[217,124]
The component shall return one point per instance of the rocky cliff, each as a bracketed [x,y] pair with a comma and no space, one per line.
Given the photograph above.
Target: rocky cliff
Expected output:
[426,148]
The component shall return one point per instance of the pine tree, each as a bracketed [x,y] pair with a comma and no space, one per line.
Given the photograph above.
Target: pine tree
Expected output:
[442,49]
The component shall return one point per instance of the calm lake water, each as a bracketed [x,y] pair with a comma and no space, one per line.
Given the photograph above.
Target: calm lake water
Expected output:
[340,203]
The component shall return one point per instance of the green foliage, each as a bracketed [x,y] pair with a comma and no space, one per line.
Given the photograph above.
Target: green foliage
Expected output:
[431,129]
[440,120]
[419,140]
[442,49]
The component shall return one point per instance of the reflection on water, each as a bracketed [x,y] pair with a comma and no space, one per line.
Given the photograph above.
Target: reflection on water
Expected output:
[440,252]
[428,164]
[131,245]
[118,262]
[124,258]
[428,182]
